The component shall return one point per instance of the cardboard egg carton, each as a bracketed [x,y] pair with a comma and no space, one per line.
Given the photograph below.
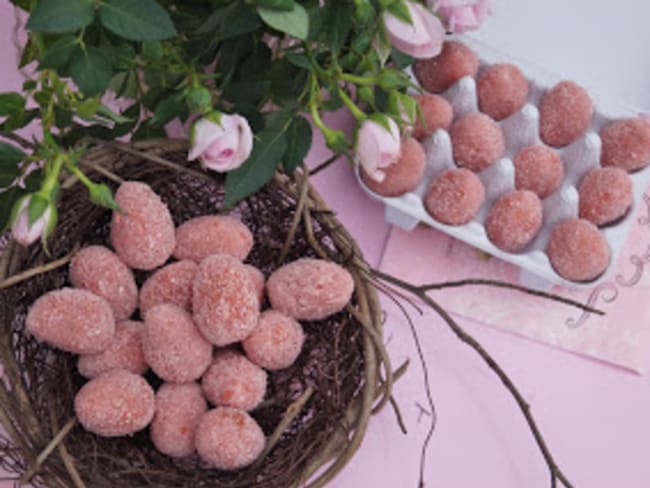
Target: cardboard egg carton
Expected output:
[521,130]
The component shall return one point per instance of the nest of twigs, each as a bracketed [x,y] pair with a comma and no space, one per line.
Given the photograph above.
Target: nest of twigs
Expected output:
[315,413]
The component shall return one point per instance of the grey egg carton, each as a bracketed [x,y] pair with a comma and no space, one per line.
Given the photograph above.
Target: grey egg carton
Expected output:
[521,130]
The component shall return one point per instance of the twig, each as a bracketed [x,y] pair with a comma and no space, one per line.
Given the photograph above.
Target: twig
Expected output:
[555,471]
[290,414]
[296,221]
[17,278]
[101,170]
[325,164]
[65,456]
[48,450]
[422,289]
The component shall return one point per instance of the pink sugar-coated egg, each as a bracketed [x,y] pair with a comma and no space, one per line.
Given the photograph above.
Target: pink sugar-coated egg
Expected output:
[258,281]
[173,346]
[143,233]
[171,284]
[124,352]
[179,409]
[114,404]
[232,380]
[225,301]
[564,114]
[74,320]
[605,195]
[276,342]
[437,74]
[477,141]
[403,175]
[514,220]
[455,196]
[538,169]
[626,144]
[99,270]
[436,114]
[502,90]
[577,250]
[212,234]
[310,289]
[229,439]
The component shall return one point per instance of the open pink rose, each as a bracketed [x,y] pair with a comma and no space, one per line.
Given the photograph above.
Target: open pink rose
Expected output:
[422,38]
[462,15]
[221,142]
[22,232]
[377,148]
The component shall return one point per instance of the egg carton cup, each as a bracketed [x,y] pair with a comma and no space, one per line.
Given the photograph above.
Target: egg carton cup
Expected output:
[520,130]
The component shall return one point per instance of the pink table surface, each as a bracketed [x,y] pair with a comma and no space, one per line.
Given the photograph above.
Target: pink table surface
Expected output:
[595,417]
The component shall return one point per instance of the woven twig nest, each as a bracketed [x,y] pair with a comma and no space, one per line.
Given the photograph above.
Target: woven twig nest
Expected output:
[315,413]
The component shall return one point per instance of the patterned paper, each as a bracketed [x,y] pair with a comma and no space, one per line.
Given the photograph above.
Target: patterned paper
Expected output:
[621,337]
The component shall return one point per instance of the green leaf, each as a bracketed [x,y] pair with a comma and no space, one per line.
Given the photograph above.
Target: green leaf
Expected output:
[59,52]
[199,100]
[37,207]
[11,103]
[338,23]
[61,15]
[400,60]
[8,199]
[277,4]
[301,60]
[400,10]
[19,120]
[88,108]
[137,20]
[90,70]
[166,110]
[299,136]
[259,169]
[294,22]
[152,50]
[10,156]
[106,112]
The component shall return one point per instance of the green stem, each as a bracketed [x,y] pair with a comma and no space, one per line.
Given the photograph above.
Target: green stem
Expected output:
[358,80]
[356,111]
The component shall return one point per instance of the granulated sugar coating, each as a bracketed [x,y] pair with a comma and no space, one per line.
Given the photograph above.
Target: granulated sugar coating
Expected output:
[212,234]
[74,320]
[454,196]
[577,250]
[98,269]
[229,439]
[564,114]
[225,302]
[114,404]
[402,176]
[124,352]
[626,144]
[276,342]
[502,90]
[171,284]
[310,289]
[258,280]
[477,141]
[179,409]
[514,220]
[173,346]
[437,74]
[605,195]
[234,381]
[436,114]
[538,169]
[143,233]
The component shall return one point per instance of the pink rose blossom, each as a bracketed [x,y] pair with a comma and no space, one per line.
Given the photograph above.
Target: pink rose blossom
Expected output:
[422,38]
[22,232]
[221,142]
[377,148]
[461,15]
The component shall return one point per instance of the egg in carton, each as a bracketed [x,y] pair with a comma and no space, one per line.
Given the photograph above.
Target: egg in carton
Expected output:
[520,130]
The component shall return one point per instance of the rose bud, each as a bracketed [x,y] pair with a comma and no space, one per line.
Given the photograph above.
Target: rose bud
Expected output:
[421,38]
[377,147]
[221,142]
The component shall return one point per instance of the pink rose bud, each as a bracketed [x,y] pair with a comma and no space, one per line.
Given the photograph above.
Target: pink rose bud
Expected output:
[377,147]
[24,233]
[462,15]
[422,38]
[221,142]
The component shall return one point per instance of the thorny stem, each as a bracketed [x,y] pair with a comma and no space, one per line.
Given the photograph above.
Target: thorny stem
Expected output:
[421,292]
[324,165]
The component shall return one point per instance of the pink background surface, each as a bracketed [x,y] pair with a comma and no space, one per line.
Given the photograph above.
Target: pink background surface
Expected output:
[594,416]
